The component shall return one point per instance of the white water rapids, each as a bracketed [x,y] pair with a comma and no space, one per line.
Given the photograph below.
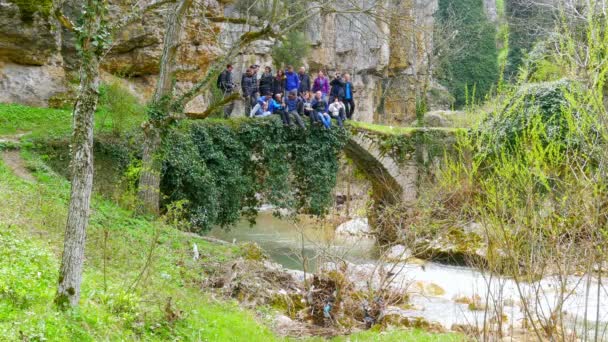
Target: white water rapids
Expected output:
[452,288]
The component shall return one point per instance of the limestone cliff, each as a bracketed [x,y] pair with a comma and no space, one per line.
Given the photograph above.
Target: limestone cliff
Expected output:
[387,54]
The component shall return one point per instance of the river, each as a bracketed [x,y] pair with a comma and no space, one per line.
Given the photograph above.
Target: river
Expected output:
[284,242]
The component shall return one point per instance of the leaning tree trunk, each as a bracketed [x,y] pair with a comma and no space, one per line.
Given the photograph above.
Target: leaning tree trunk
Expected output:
[149,182]
[70,274]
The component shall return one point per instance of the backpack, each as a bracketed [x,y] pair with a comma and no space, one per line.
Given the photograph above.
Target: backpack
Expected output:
[219,81]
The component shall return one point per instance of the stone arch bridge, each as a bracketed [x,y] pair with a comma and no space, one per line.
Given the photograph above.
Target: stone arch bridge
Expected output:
[396,159]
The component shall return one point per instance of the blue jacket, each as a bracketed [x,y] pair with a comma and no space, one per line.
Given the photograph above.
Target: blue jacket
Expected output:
[348,90]
[261,100]
[292,81]
[274,106]
[292,105]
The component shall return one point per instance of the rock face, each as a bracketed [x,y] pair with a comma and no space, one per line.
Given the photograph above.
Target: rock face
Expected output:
[387,57]
[29,84]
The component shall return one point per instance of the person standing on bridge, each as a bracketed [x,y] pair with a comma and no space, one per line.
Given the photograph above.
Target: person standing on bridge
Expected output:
[349,101]
[266,81]
[304,82]
[321,84]
[337,88]
[249,89]
[226,86]
[292,81]
[278,86]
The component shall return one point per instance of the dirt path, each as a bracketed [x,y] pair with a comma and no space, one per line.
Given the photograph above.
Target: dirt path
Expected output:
[12,138]
[13,160]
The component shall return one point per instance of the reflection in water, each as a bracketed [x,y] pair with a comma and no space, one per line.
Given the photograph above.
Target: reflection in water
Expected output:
[286,241]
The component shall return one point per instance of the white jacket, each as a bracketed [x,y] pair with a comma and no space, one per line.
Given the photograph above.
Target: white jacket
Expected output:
[334,108]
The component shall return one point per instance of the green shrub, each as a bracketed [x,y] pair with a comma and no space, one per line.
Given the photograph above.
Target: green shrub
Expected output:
[228,168]
[541,101]
[119,110]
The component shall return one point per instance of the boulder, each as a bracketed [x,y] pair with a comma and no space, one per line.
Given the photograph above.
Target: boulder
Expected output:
[395,316]
[355,227]
[282,322]
[435,119]
[466,329]
[397,253]
[427,289]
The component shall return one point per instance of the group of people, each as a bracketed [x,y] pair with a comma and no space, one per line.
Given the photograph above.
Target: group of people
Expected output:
[292,95]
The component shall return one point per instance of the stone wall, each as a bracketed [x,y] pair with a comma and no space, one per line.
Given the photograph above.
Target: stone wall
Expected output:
[386,54]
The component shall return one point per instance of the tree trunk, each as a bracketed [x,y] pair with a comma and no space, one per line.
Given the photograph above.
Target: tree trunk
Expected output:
[149,181]
[70,274]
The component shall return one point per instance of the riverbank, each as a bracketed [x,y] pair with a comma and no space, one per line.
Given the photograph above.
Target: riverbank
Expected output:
[439,296]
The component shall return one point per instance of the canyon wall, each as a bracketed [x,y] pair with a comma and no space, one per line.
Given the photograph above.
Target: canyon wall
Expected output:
[388,53]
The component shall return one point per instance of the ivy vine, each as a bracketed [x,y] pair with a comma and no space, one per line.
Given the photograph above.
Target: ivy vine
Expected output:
[226,170]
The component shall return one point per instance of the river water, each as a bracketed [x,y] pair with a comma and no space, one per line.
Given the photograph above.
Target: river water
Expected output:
[285,242]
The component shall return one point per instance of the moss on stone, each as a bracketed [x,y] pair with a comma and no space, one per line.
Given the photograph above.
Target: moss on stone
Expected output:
[28,8]
[251,251]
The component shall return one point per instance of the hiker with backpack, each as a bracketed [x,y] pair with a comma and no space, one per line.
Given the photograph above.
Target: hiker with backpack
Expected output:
[226,86]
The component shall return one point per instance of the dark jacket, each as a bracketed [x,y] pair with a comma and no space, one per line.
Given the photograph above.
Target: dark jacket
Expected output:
[278,86]
[266,82]
[248,85]
[337,88]
[304,83]
[292,81]
[319,106]
[225,81]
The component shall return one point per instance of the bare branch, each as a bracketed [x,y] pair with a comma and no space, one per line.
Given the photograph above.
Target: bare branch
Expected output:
[63,20]
[212,107]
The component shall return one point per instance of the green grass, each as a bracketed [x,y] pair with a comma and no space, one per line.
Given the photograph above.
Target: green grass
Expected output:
[399,336]
[40,121]
[115,115]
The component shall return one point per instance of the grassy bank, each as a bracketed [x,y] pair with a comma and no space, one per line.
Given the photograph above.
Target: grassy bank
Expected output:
[133,267]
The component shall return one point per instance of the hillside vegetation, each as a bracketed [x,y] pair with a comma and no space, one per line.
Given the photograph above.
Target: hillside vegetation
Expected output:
[140,282]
